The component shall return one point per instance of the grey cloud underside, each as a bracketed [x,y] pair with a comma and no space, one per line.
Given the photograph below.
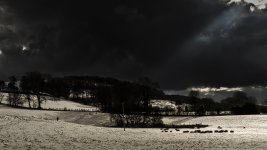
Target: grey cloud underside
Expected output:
[179,43]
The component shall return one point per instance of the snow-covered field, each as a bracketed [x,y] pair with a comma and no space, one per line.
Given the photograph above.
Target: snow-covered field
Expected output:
[60,104]
[163,104]
[36,129]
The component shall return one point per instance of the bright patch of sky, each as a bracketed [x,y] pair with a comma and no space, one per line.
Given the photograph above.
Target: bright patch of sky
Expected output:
[24,48]
[217,94]
[204,90]
[210,89]
[261,4]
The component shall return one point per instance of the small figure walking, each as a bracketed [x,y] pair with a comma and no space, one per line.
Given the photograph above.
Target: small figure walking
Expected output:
[57,118]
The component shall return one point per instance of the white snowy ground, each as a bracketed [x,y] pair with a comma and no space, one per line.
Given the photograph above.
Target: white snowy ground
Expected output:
[35,129]
[61,104]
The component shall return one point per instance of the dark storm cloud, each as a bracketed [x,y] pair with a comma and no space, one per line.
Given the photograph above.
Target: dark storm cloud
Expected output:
[231,54]
[178,43]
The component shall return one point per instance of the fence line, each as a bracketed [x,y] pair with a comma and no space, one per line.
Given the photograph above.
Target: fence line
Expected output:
[56,109]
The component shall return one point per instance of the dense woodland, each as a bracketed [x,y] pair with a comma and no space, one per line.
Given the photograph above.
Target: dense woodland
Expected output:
[116,96]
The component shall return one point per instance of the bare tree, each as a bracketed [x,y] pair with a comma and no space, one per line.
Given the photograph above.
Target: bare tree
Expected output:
[34,82]
[15,99]
[29,98]
[1,97]
[2,85]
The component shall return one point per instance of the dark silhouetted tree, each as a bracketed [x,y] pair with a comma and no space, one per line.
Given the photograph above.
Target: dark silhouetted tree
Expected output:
[35,83]
[149,90]
[1,97]
[57,87]
[12,83]
[194,100]
[14,98]
[25,87]
[238,99]
[104,97]
[128,94]
[2,85]
[250,108]
[239,102]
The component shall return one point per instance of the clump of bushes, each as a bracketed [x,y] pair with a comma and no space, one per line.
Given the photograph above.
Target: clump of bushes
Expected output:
[133,120]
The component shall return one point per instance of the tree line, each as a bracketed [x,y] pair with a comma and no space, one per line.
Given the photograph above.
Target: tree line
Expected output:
[238,104]
[107,93]
[114,96]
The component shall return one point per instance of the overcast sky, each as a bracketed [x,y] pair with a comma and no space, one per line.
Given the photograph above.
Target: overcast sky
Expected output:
[178,43]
